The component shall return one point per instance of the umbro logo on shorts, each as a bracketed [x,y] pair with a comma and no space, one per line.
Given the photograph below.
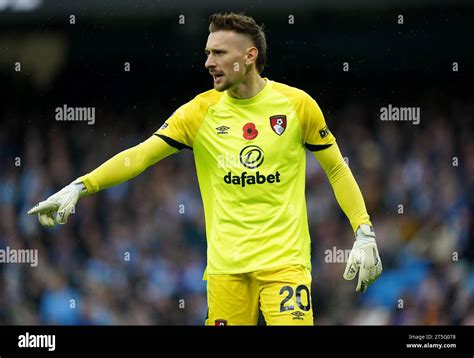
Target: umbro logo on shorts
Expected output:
[297,315]
[220,322]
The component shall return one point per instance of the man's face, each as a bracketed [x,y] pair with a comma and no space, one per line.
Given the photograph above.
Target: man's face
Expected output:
[226,58]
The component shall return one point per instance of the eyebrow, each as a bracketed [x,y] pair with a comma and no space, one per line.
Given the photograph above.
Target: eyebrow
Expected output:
[206,50]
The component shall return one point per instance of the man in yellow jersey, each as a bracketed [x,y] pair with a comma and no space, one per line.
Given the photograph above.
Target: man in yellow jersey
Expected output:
[249,135]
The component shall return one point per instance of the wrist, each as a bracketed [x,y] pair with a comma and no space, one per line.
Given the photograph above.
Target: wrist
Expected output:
[365,231]
[79,187]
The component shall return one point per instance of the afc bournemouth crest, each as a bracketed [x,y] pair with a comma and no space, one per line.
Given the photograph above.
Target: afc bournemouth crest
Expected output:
[278,123]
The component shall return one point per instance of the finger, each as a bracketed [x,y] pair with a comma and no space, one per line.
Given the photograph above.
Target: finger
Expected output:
[377,270]
[363,281]
[43,206]
[46,219]
[351,268]
[376,256]
[51,222]
[372,274]
[362,285]
[366,265]
[42,218]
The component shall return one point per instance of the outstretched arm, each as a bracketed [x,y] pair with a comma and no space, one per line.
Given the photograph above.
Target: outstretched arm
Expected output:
[364,255]
[120,168]
[127,164]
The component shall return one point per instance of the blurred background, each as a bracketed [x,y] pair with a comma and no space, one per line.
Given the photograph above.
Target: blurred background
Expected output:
[135,254]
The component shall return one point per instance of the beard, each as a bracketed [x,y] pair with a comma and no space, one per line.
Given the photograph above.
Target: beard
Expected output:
[221,87]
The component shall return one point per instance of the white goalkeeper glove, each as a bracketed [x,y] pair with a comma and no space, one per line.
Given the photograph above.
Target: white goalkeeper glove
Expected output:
[63,202]
[364,258]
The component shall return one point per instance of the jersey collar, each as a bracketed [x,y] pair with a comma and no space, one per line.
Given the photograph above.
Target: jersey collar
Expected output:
[254,99]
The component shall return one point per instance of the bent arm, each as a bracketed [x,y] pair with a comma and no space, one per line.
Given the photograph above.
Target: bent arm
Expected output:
[127,164]
[346,190]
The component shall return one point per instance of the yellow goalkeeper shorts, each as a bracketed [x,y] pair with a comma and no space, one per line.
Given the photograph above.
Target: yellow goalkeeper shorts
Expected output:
[283,295]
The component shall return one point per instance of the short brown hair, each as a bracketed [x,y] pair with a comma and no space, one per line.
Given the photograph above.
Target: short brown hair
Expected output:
[243,25]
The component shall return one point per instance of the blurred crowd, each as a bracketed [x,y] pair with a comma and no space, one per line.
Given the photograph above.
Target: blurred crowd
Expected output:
[135,253]
[418,188]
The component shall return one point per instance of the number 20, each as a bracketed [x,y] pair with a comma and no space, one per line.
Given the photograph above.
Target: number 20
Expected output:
[298,298]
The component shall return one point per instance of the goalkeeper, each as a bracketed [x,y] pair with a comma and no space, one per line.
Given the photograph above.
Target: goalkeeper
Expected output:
[258,243]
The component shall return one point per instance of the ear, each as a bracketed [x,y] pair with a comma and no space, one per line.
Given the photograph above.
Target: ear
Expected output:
[251,55]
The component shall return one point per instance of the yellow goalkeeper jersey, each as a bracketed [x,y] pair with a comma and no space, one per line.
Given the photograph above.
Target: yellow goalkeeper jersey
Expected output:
[251,163]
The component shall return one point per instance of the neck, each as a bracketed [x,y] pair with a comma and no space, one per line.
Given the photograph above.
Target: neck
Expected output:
[248,88]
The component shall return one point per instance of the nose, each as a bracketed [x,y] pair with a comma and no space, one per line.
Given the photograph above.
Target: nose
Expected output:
[210,63]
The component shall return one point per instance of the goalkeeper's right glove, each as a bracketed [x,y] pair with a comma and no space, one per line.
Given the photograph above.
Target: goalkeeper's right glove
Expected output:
[63,202]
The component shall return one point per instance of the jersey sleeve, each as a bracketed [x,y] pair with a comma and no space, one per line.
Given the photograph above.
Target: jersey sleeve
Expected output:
[345,187]
[180,129]
[126,165]
[315,132]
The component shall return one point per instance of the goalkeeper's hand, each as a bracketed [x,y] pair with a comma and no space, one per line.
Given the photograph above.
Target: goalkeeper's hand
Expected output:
[63,202]
[364,258]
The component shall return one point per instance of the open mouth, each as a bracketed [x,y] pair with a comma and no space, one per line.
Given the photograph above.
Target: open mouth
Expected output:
[217,77]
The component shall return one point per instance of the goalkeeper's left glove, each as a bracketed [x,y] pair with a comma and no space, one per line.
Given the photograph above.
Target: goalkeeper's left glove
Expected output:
[364,258]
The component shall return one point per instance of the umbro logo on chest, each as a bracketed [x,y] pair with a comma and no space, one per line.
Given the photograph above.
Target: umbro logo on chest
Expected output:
[222,130]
